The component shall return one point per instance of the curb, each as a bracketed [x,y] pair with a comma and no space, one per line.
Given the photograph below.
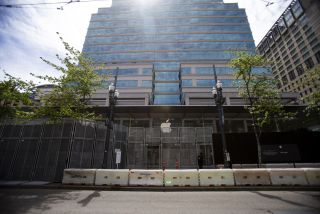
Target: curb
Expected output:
[163,189]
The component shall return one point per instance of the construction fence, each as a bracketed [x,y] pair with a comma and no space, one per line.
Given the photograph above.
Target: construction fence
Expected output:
[38,150]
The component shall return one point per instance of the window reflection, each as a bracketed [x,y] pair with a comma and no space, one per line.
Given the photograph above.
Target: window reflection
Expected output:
[167,99]
[281,25]
[187,83]
[147,71]
[146,83]
[167,87]
[289,18]
[127,83]
[205,83]
[186,70]
[204,70]
[167,76]
[297,9]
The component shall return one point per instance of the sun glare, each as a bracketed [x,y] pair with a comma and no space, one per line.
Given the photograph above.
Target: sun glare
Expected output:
[147,3]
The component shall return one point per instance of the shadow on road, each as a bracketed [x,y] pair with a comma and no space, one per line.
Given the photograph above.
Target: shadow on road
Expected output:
[84,202]
[285,200]
[24,201]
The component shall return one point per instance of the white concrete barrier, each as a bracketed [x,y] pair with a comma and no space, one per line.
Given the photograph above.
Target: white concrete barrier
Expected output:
[79,176]
[288,177]
[278,165]
[307,165]
[112,177]
[182,177]
[139,177]
[313,176]
[216,177]
[251,177]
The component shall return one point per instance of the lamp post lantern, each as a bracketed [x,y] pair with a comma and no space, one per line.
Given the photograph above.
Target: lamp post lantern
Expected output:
[219,100]
[113,96]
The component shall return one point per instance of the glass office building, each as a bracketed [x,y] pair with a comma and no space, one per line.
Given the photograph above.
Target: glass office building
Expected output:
[169,47]
[164,54]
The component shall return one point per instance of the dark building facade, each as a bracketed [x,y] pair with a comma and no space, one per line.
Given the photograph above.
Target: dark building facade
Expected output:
[164,54]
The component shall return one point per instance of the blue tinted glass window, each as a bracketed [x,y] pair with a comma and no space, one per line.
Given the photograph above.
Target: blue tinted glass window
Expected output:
[187,83]
[227,83]
[103,72]
[167,75]
[147,71]
[166,99]
[205,83]
[261,70]
[226,45]
[167,87]
[166,38]
[105,83]
[166,65]
[176,29]
[127,83]
[146,83]
[224,70]
[130,72]
[204,70]
[186,70]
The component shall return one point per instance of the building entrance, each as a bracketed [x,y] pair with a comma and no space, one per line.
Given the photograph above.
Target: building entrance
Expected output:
[151,148]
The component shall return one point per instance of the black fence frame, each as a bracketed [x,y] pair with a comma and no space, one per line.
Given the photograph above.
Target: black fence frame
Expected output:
[38,150]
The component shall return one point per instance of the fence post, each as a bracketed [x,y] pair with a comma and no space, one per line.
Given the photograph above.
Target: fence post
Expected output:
[71,144]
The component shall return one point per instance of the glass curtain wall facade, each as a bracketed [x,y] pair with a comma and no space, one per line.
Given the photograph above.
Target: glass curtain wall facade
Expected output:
[166,48]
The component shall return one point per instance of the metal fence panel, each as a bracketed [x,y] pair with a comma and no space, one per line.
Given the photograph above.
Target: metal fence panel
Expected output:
[25,160]
[8,150]
[86,157]
[188,156]
[170,155]
[187,135]
[62,159]
[98,154]
[135,155]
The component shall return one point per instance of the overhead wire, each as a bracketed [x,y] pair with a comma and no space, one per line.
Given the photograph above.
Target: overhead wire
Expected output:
[39,4]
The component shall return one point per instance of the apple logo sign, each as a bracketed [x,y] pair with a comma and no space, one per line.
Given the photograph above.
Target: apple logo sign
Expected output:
[166,127]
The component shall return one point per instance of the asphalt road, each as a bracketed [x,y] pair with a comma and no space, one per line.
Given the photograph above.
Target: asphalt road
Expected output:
[88,201]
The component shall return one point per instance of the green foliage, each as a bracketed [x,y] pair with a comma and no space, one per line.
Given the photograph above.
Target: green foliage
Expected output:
[312,78]
[73,88]
[15,93]
[259,90]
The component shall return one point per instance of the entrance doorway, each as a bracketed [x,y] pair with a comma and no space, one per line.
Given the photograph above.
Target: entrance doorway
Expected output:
[150,148]
[153,157]
[207,151]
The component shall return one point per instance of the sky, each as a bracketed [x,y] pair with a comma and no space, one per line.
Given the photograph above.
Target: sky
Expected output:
[28,33]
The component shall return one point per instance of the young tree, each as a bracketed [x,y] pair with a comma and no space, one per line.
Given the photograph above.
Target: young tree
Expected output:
[73,88]
[263,100]
[312,78]
[14,95]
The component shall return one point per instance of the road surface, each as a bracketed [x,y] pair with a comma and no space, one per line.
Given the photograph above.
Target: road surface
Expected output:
[46,201]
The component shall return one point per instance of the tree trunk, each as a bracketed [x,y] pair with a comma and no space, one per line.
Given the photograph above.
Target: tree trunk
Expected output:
[258,142]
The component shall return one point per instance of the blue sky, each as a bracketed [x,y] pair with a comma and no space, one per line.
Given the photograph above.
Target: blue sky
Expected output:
[26,34]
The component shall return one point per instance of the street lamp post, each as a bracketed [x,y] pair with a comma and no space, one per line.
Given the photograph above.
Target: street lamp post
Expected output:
[219,100]
[113,96]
